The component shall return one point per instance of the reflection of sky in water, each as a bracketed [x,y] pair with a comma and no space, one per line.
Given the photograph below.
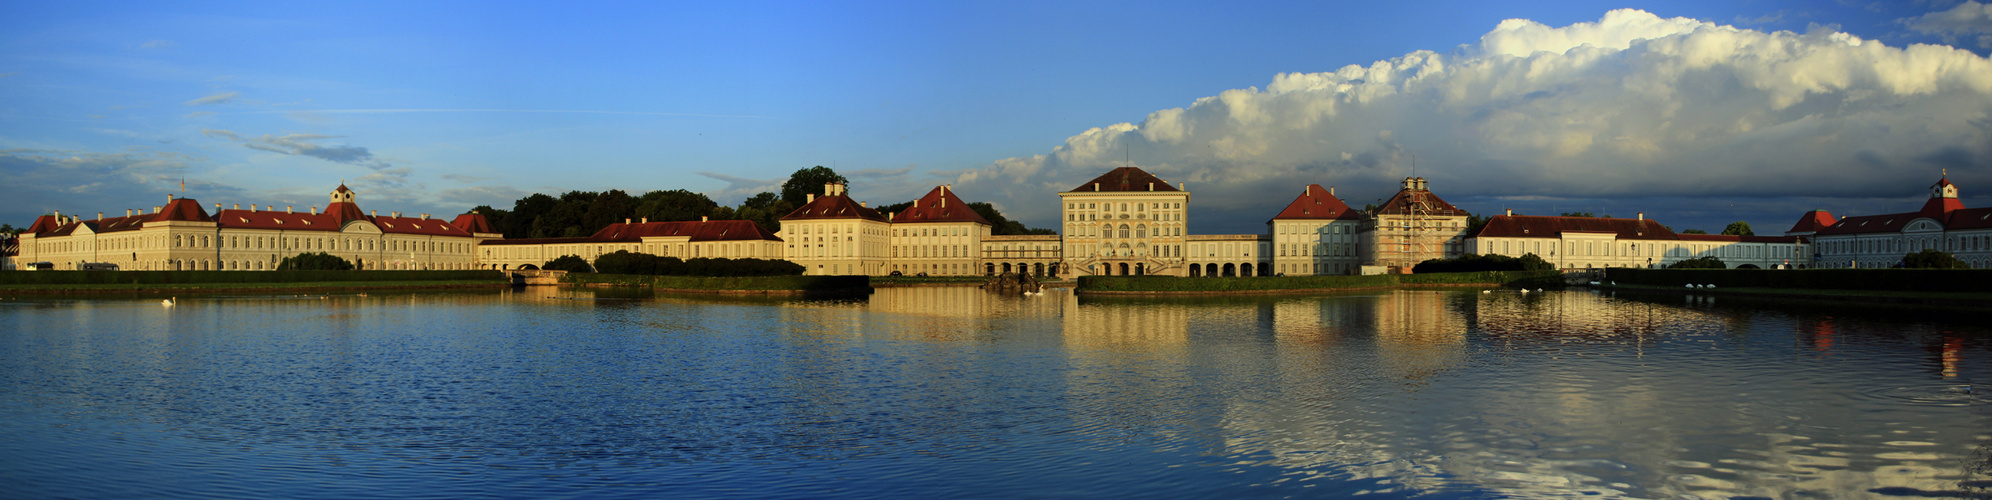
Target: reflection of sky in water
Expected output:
[953,391]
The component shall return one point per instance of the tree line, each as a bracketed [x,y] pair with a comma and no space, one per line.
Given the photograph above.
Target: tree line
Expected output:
[582,213]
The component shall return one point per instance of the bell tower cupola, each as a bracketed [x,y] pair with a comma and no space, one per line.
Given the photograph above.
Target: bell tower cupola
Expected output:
[342,195]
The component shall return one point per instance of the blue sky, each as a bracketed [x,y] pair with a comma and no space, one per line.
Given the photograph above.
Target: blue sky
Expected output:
[1697,113]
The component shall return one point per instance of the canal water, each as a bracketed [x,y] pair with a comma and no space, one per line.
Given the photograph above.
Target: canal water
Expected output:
[951,392]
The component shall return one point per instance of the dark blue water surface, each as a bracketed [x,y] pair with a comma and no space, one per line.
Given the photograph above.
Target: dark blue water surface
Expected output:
[949,392]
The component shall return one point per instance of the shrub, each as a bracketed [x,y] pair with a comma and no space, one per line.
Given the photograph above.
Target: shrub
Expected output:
[569,263]
[1471,263]
[627,262]
[1933,259]
[320,261]
[1699,263]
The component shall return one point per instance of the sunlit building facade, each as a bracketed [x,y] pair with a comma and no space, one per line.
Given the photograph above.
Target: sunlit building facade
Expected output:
[1413,226]
[1600,242]
[1125,222]
[181,235]
[1315,235]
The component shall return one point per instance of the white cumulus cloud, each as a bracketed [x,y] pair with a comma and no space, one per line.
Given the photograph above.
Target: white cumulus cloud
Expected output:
[1966,21]
[1632,105]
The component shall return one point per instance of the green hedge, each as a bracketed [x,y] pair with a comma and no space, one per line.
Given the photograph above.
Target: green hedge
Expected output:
[165,277]
[1239,284]
[1912,280]
[801,283]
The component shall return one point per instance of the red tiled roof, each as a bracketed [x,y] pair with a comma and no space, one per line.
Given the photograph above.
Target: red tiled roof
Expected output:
[1969,218]
[344,212]
[1885,223]
[1937,207]
[417,225]
[1317,203]
[183,209]
[1124,179]
[1738,239]
[1400,204]
[43,224]
[1812,221]
[717,230]
[1542,226]
[474,223]
[535,241]
[837,206]
[939,205]
[265,219]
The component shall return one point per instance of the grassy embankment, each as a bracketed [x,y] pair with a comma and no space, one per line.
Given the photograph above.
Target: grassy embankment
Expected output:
[1935,286]
[891,281]
[1163,285]
[810,286]
[36,282]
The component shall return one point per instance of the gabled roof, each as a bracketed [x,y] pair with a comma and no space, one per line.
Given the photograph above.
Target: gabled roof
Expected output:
[1317,203]
[1885,223]
[1542,226]
[474,223]
[42,224]
[1124,179]
[939,205]
[183,209]
[1400,204]
[1813,221]
[836,206]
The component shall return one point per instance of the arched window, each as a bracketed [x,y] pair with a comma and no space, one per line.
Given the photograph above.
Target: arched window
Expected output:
[1141,231]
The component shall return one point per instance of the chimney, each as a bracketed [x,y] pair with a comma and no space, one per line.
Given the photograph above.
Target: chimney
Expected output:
[290,209]
[1183,186]
[865,204]
[217,208]
[100,216]
[889,216]
[252,207]
[154,210]
[916,203]
[646,220]
[1151,186]
[625,220]
[394,214]
[812,198]
[829,189]
[1331,190]
[703,218]
[373,213]
[169,198]
[314,210]
[127,212]
[425,216]
[1511,212]
[238,206]
[1642,216]
[1308,190]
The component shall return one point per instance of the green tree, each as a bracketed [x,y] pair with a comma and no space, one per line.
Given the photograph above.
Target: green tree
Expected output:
[10,230]
[674,205]
[319,261]
[1533,262]
[610,207]
[1693,231]
[525,215]
[807,181]
[569,263]
[1738,228]
[1933,259]
[765,209]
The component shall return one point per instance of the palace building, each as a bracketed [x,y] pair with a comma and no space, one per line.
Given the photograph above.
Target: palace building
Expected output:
[1882,240]
[1316,235]
[1599,242]
[180,235]
[1124,222]
[1414,226]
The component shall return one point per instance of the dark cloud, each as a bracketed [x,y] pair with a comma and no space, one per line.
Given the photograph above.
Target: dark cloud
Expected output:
[84,183]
